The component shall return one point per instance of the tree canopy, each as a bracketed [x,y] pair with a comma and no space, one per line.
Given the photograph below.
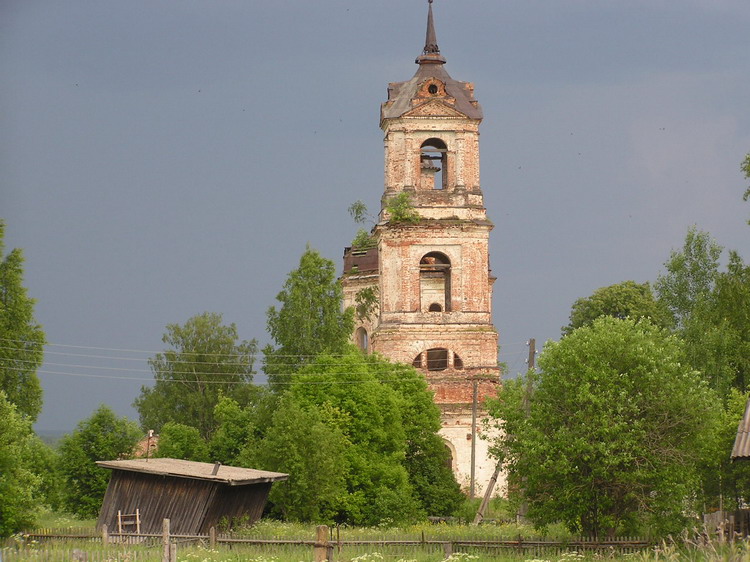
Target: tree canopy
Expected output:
[21,337]
[357,435]
[711,309]
[690,276]
[623,300]
[724,483]
[178,441]
[309,444]
[310,319]
[102,436]
[206,360]
[612,431]
[19,484]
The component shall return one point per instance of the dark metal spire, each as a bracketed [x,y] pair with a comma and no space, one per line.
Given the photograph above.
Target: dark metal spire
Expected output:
[430,43]
[431,53]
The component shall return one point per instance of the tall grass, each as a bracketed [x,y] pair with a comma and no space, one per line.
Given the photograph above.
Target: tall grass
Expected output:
[689,547]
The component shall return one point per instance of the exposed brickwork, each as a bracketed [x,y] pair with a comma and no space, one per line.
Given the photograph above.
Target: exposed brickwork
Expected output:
[433,277]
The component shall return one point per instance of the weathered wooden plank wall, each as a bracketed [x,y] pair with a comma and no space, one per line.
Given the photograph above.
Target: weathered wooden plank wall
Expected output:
[192,505]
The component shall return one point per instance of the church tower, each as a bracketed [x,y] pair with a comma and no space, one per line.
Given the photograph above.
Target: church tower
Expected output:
[428,276]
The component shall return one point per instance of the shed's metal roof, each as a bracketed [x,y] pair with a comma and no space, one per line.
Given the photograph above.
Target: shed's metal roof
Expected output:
[232,475]
[741,449]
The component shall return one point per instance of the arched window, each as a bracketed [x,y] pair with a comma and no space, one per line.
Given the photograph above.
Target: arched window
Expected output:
[434,158]
[435,282]
[361,338]
[437,359]
[450,459]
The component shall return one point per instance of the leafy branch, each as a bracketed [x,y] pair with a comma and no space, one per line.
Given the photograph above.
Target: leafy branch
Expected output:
[366,302]
[363,240]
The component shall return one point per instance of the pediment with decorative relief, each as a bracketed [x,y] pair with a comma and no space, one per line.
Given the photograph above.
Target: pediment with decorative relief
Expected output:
[433,108]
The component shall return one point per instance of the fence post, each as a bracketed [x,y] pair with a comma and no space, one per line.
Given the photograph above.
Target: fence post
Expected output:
[105,535]
[320,550]
[173,552]
[448,549]
[165,552]
[212,536]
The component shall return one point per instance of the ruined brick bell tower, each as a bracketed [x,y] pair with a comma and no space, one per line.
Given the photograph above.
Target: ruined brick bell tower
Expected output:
[430,271]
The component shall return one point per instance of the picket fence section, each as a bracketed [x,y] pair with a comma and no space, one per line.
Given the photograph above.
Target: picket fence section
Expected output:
[324,546]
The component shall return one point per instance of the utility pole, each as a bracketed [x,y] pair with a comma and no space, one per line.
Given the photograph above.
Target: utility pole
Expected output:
[532,353]
[524,507]
[531,367]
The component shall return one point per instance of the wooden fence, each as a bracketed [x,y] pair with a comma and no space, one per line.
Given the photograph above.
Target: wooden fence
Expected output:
[324,546]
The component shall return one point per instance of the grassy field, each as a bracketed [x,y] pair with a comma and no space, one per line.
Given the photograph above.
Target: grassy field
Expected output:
[25,548]
[198,553]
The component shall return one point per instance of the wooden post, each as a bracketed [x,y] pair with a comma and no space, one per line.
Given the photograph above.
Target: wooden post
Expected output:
[105,535]
[165,541]
[523,509]
[173,552]
[473,441]
[212,537]
[320,550]
[448,549]
[487,495]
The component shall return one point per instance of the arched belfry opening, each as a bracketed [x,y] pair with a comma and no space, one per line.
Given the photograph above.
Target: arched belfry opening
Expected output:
[435,282]
[433,158]
[438,359]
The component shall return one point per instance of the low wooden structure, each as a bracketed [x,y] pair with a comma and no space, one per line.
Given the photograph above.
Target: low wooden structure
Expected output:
[741,448]
[194,496]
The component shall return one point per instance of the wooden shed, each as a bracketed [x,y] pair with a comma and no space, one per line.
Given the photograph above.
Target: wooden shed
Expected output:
[194,496]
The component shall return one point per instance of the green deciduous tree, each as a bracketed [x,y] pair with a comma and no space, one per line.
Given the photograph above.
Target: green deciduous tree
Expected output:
[21,337]
[711,310]
[310,319]
[378,486]
[18,484]
[623,300]
[310,445]
[732,312]
[178,441]
[102,436]
[427,459]
[206,360]
[724,484]
[236,430]
[44,461]
[612,432]
[358,436]
[690,276]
